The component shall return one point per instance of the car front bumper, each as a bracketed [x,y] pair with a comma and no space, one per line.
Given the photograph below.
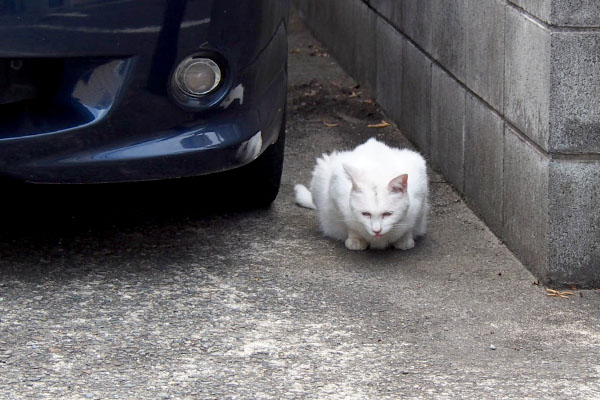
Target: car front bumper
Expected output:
[106,115]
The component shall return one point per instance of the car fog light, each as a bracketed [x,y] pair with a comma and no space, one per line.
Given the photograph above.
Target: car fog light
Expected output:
[197,76]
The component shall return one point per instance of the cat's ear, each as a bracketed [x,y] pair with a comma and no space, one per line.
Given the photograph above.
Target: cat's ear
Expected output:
[398,184]
[352,174]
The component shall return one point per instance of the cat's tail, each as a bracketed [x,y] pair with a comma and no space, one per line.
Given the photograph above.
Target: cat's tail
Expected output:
[304,197]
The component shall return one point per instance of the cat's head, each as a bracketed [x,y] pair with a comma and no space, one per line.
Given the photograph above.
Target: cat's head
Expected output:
[378,206]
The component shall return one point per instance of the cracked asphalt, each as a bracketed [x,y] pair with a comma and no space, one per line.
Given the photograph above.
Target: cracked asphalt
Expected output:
[106,299]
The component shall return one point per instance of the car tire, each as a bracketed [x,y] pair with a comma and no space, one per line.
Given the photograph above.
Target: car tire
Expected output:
[256,184]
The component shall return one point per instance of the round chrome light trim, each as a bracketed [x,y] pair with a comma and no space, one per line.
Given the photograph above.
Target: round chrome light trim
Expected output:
[197,76]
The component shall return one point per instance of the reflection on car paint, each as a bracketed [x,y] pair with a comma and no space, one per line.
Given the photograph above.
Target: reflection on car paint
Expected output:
[182,143]
[236,93]
[84,29]
[97,91]
[250,149]
[75,14]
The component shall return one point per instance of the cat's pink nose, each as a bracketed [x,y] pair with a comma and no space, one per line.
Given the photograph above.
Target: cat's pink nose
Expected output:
[377,232]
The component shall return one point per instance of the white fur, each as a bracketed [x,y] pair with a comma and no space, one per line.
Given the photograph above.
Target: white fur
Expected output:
[304,197]
[364,198]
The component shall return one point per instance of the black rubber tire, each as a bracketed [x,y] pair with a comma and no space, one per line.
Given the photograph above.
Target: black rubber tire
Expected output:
[255,185]
[264,174]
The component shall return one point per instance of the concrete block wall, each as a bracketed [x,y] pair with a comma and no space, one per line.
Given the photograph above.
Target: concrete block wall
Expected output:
[503,98]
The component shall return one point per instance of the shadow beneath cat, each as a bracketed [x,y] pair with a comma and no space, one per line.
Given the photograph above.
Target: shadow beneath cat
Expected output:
[390,259]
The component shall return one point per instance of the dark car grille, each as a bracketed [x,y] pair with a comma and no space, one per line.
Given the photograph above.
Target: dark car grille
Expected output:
[28,79]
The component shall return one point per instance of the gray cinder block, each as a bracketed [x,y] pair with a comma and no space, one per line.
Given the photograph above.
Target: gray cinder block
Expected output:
[365,56]
[575,13]
[552,81]
[484,65]
[318,14]
[389,69]
[526,203]
[484,154]
[415,121]
[527,76]
[539,8]
[343,40]
[550,213]
[568,13]
[574,222]
[301,6]
[416,21]
[391,10]
[575,92]
[448,35]
[447,126]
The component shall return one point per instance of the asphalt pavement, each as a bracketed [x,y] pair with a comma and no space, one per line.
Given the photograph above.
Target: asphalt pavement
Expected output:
[188,303]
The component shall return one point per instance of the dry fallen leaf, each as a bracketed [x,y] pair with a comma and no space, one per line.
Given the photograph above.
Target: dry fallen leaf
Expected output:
[353,94]
[330,125]
[295,51]
[556,293]
[319,53]
[383,124]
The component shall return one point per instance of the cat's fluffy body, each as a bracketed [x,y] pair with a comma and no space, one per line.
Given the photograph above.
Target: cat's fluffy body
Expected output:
[373,196]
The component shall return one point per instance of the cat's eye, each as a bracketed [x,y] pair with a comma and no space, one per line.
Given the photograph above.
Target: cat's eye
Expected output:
[366,214]
[387,214]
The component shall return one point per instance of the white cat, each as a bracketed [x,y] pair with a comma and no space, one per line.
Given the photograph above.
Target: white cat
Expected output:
[373,196]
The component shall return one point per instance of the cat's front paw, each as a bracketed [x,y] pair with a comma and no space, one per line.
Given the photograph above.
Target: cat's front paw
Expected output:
[356,244]
[405,243]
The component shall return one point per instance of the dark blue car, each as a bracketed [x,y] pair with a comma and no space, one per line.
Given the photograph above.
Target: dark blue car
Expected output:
[96,91]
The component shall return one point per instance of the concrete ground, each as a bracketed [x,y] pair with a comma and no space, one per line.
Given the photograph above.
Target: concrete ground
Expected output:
[258,305]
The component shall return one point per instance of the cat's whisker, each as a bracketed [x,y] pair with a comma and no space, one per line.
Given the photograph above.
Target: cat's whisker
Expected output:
[401,226]
[346,220]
